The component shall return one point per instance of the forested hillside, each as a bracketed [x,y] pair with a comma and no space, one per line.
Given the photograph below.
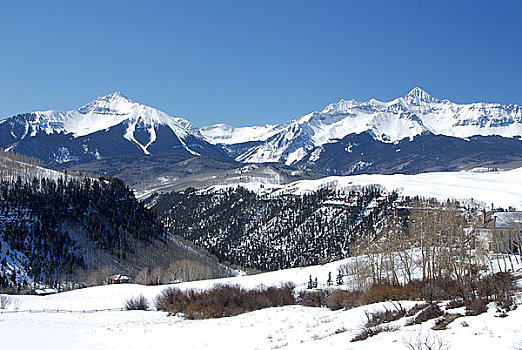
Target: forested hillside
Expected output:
[273,232]
[62,229]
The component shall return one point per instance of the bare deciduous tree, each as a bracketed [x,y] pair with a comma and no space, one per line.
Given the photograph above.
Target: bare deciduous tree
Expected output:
[5,300]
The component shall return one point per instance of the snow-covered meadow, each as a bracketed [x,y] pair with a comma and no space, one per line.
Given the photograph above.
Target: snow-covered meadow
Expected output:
[500,188]
[289,327]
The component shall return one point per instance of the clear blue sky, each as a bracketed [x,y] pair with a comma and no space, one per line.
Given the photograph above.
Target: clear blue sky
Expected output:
[246,62]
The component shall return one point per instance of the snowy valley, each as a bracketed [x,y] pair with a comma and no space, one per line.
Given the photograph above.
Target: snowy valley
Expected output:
[367,208]
[70,319]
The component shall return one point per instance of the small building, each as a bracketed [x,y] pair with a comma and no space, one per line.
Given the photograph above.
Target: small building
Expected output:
[500,232]
[118,279]
[43,291]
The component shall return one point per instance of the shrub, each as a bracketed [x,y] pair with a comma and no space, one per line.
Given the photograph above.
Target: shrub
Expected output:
[379,317]
[417,308]
[443,322]
[476,307]
[453,304]
[432,311]
[385,292]
[316,298]
[499,287]
[344,299]
[425,342]
[223,300]
[171,298]
[442,289]
[137,303]
[5,300]
[371,331]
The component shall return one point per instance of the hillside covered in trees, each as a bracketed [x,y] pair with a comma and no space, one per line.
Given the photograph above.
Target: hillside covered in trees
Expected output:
[62,229]
[273,232]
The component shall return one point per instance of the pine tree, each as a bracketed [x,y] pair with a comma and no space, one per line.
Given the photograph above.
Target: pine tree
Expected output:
[339,278]
[310,283]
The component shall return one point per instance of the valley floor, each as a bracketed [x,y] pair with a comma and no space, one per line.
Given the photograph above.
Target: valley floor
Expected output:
[292,327]
[33,322]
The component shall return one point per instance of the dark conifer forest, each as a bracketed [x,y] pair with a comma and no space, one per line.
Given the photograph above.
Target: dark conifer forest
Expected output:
[48,220]
[273,232]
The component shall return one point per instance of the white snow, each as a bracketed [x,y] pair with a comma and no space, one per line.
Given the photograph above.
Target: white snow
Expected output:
[502,188]
[403,117]
[290,327]
[227,135]
[106,112]
[10,169]
[295,156]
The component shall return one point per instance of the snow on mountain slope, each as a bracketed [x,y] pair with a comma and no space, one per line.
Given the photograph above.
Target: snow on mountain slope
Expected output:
[101,114]
[14,259]
[11,169]
[226,134]
[403,117]
[502,188]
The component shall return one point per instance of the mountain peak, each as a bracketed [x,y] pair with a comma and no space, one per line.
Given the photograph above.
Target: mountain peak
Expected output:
[418,95]
[114,102]
[116,95]
[113,97]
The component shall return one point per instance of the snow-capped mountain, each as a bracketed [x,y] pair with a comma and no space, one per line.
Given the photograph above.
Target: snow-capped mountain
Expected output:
[416,133]
[110,135]
[140,122]
[228,135]
[387,122]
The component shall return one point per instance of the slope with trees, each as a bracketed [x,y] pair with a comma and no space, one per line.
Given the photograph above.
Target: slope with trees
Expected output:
[273,232]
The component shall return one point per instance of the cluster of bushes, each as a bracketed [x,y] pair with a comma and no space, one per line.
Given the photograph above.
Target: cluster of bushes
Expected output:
[371,331]
[431,311]
[343,299]
[333,299]
[231,300]
[223,300]
[499,288]
[385,316]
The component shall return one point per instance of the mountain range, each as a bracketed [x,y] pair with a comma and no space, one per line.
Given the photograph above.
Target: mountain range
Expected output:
[387,122]
[416,133]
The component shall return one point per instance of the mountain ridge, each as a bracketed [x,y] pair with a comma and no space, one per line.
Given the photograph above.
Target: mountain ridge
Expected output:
[100,114]
[388,122]
[114,136]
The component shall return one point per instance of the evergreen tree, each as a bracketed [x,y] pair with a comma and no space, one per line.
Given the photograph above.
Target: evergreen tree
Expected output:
[310,283]
[339,278]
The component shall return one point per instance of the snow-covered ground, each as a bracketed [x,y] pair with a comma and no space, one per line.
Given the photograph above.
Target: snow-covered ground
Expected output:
[290,327]
[501,188]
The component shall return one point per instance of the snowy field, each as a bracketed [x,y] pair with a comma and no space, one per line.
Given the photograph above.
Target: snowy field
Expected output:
[290,327]
[501,188]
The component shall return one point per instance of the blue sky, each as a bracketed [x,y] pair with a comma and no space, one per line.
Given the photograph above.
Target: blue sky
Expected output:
[247,62]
